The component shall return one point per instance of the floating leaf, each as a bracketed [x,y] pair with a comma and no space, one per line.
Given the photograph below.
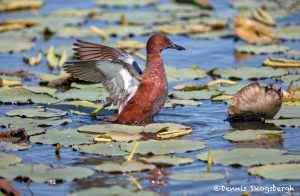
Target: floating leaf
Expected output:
[29,122]
[65,137]
[20,5]
[8,159]
[184,29]
[287,111]
[189,87]
[196,176]
[124,31]
[175,7]
[100,32]
[249,156]
[178,102]
[289,32]
[285,122]
[22,170]
[195,95]
[194,72]
[16,147]
[19,45]
[77,12]
[263,17]
[113,190]
[173,133]
[66,173]
[164,146]
[262,49]
[288,78]
[130,44]
[164,160]
[249,72]
[34,113]
[117,137]
[75,107]
[212,34]
[279,62]
[22,95]
[108,149]
[9,83]
[68,32]
[277,172]
[251,134]
[88,94]
[125,167]
[34,60]
[125,3]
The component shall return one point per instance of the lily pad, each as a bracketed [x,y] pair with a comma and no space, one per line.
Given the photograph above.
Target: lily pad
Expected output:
[249,156]
[108,149]
[212,34]
[114,190]
[262,49]
[22,95]
[288,78]
[17,147]
[66,173]
[295,122]
[67,32]
[193,72]
[77,107]
[22,170]
[194,95]
[125,167]
[277,172]
[289,32]
[249,72]
[41,90]
[28,122]
[251,134]
[120,136]
[65,137]
[164,160]
[287,111]
[8,159]
[125,3]
[279,62]
[77,12]
[19,45]
[124,31]
[35,113]
[88,94]
[196,176]
[179,102]
[164,146]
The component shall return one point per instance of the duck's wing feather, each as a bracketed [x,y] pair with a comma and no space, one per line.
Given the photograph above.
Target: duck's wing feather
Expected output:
[91,51]
[120,79]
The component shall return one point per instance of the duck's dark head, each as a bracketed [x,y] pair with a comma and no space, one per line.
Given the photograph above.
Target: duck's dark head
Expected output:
[159,42]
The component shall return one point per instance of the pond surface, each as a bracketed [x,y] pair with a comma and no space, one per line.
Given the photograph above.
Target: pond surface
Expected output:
[208,121]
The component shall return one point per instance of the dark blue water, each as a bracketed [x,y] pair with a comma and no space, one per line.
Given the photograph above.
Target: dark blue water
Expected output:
[208,120]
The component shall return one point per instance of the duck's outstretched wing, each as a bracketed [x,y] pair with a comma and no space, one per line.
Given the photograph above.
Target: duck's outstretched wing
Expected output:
[120,79]
[90,51]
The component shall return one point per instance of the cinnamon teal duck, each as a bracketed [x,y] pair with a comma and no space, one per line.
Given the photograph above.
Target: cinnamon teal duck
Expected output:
[139,95]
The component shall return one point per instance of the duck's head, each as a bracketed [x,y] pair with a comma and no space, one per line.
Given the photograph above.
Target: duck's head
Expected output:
[159,42]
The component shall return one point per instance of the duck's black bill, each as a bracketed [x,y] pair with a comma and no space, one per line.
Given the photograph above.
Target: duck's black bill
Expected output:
[174,46]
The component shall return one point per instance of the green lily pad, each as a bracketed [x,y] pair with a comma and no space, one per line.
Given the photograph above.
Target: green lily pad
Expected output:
[262,49]
[249,72]
[41,90]
[149,128]
[179,102]
[194,95]
[8,159]
[108,149]
[196,176]
[125,167]
[251,134]
[66,173]
[67,32]
[124,137]
[164,146]
[77,12]
[249,156]
[191,73]
[295,122]
[287,111]
[31,129]
[35,113]
[22,170]
[19,45]
[28,122]
[75,107]
[175,7]
[17,147]
[277,172]
[124,31]
[212,34]
[125,3]
[22,95]
[164,160]
[65,137]
[290,32]
[288,78]
[88,94]
[114,190]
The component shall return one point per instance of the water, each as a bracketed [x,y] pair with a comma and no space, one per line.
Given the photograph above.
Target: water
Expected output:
[207,121]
